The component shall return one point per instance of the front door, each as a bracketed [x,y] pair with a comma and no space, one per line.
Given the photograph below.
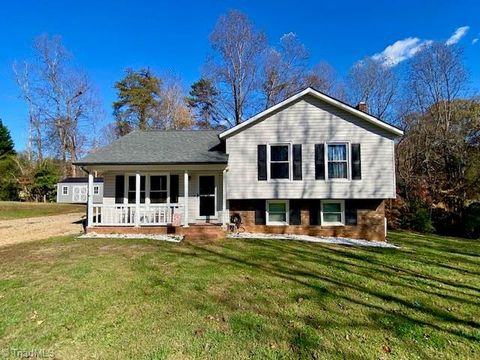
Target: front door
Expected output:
[206,196]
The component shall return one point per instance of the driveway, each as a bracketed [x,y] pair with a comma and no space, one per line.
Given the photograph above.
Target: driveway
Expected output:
[37,228]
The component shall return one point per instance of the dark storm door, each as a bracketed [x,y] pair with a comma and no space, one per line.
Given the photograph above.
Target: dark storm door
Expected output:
[206,196]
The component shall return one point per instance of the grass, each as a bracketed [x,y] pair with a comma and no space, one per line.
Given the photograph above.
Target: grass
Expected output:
[143,299]
[17,210]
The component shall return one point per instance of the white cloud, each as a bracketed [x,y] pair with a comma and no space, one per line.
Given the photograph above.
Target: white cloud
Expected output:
[474,41]
[400,50]
[457,35]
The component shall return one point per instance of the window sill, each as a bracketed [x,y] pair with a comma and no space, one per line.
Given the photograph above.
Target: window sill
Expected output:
[332,224]
[277,224]
[338,180]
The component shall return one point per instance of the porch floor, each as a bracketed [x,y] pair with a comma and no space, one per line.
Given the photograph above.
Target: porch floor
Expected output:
[193,232]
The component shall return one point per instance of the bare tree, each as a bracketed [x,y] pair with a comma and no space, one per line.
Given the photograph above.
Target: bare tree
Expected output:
[323,77]
[284,69]
[173,112]
[442,136]
[238,49]
[22,76]
[374,83]
[61,100]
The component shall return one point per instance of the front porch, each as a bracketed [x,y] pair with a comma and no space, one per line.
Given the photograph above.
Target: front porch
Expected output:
[147,197]
[138,215]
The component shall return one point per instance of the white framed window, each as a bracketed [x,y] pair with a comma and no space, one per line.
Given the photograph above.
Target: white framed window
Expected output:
[158,189]
[64,190]
[337,160]
[96,190]
[131,187]
[279,161]
[333,212]
[154,188]
[277,212]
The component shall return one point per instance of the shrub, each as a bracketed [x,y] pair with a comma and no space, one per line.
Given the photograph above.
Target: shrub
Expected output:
[420,219]
[471,222]
[9,191]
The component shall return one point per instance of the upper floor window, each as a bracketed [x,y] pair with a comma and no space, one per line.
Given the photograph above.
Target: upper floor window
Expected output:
[64,190]
[96,190]
[279,161]
[337,161]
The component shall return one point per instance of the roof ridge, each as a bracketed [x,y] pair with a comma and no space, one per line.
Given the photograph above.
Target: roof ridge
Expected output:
[179,130]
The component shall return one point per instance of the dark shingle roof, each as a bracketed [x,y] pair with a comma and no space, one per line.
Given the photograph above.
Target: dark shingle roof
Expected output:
[80,180]
[161,147]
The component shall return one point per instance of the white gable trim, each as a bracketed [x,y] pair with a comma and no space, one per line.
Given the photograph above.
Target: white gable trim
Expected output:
[318,95]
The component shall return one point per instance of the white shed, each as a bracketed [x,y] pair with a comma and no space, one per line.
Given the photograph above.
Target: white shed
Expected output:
[75,190]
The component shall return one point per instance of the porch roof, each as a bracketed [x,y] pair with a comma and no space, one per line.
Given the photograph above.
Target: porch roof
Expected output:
[161,147]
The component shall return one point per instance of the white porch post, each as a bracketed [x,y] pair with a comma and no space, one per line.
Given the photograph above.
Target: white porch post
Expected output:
[185,198]
[137,198]
[90,200]
[224,198]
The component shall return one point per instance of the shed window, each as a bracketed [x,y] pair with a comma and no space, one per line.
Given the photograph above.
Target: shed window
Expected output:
[96,190]
[279,162]
[64,190]
[333,212]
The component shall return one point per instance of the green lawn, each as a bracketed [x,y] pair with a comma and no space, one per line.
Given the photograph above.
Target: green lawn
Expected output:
[144,299]
[16,210]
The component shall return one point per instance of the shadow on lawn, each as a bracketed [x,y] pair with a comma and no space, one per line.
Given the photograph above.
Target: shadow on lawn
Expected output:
[292,264]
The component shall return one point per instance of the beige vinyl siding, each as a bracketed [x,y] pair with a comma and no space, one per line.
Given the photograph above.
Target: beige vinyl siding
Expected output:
[310,121]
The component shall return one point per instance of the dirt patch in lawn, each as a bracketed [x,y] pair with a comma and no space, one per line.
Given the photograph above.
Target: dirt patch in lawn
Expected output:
[37,228]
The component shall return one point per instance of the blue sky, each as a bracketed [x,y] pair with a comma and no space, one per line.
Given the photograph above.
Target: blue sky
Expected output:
[108,36]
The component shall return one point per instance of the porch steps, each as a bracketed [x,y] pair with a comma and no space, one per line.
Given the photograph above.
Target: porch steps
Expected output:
[199,232]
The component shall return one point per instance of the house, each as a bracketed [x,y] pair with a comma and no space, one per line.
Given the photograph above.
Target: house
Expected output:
[75,190]
[310,165]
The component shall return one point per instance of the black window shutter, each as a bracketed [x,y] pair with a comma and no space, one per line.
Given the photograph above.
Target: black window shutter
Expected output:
[297,162]
[356,162]
[314,210]
[119,189]
[319,162]
[295,212]
[262,162]
[350,212]
[260,212]
[174,186]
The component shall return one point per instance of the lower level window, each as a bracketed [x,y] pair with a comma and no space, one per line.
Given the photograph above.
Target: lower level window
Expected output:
[64,190]
[333,212]
[277,212]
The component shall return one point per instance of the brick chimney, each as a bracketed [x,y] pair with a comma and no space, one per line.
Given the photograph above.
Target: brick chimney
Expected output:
[362,106]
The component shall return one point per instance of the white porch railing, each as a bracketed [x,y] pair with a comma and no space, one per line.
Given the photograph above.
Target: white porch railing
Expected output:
[148,214]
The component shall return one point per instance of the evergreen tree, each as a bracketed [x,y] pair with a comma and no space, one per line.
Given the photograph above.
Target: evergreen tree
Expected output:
[6,142]
[138,101]
[203,102]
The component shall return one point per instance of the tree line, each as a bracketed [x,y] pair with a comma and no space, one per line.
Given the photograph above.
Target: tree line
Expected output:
[429,96]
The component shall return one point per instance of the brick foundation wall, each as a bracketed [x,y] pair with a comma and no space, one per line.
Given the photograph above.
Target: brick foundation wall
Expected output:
[194,232]
[370,220]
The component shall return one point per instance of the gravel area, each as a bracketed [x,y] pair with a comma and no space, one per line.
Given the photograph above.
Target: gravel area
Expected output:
[37,228]
[170,238]
[315,239]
